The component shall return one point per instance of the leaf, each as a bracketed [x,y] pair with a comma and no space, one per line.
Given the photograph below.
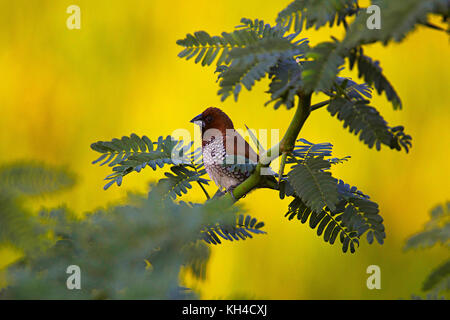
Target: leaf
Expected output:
[179,181]
[34,178]
[244,228]
[372,73]
[398,18]
[320,73]
[440,275]
[308,149]
[18,225]
[135,153]
[207,49]
[353,216]
[254,61]
[315,13]
[327,223]
[316,187]
[437,230]
[286,82]
[349,89]
[255,140]
[366,121]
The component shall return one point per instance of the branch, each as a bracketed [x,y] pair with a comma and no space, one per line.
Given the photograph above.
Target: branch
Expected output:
[300,116]
[320,105]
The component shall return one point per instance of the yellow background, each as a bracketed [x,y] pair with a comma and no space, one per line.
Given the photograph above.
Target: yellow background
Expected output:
[61,90]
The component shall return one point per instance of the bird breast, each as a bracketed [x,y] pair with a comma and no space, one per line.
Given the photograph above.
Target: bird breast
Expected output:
[214,152]
[213,158]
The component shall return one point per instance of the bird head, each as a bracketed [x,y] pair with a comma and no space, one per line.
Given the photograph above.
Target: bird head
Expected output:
[213,118]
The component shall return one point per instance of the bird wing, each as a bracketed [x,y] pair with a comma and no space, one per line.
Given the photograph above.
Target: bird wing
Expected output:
[239,156]
[235,145]
[244,157]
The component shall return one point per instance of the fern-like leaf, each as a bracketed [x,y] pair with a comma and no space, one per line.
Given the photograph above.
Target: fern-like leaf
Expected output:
[308,149]
[313,184]
[320,73]
[285,84]
[326,222]
[135,153]
[207,49]
[349,89]
[439,279]
[253,62]
[398,18]
[437,230]
[309,13]
[34,178]
[244,228]
[179,181]
[372,73]
[353,216]
[261,29]
[366,121]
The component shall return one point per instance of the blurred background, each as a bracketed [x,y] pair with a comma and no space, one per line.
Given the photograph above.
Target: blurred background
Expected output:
[61,90]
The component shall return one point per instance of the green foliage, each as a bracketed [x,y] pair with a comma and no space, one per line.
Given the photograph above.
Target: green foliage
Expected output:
[256,49]
[243,229]
[17,224]
[309,149]
[320,73]
[247,54]
[349,89]
[179,181]
[138,249]
[398,18]
[372,73]
[203,46]
[365,121]
[314,184]
[286,83]
[34,178]
[135,153]
[310,13]
[335,208]
[253,62]
[19,181]
[436,231]
[438,279]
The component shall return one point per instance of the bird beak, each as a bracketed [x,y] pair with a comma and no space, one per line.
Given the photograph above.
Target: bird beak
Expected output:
[198,119]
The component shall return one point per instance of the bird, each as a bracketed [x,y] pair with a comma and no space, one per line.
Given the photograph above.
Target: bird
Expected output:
[223,146]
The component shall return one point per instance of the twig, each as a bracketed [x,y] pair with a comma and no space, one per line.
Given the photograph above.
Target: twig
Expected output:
[204,190]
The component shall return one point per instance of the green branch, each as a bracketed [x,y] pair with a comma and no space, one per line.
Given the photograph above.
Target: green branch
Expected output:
[319,105]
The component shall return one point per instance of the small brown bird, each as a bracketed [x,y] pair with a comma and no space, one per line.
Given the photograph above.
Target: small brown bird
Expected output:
[223,146]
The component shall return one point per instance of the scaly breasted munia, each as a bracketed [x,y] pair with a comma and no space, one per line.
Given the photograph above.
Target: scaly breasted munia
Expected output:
[220,142]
